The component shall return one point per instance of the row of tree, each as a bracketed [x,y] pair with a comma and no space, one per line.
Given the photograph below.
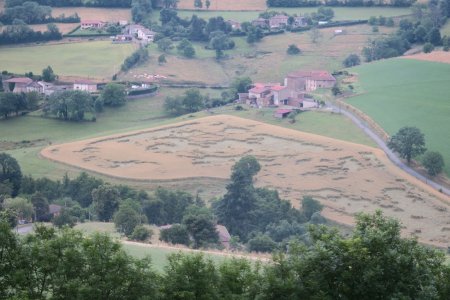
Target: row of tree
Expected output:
[372,263]
[33,13]
[13,103]
[19,32]
[424,29]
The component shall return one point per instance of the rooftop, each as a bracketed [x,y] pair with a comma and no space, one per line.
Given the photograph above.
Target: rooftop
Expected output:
[20,80]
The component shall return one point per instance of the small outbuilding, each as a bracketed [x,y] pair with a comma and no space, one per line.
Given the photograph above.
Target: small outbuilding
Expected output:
[282,113]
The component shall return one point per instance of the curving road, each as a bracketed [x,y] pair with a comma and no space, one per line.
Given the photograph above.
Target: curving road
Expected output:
[394,158]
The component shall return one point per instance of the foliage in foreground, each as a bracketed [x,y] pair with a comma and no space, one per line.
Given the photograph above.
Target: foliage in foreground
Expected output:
[373,263]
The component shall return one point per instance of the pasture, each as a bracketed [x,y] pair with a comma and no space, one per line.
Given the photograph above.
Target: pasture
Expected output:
[408,92]
[263,61]
[89,59]
[94,13]
[347,178]
[226,5]
[341,13]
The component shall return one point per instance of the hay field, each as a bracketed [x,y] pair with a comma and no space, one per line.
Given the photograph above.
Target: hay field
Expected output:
[63,27]
[437,56]
[226,5]
[93,59]
[347,178]
[94,13]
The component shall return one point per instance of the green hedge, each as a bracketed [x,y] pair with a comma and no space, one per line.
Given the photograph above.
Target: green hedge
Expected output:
[142,91]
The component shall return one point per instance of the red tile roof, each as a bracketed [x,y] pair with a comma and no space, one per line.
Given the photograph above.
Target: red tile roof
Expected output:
[278,88]
[258,90]
[20,80]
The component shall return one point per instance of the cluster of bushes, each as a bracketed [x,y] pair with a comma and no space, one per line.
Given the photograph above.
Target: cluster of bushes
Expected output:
[140,9]
[381,21]
[139,56]
[19,32]
[425,30]
[350,3]
[64,264]
[15,103]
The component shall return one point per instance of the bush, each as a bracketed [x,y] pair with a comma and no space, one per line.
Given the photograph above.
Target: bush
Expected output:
[141,233]
[177,234]
[433,162]
[352,60]
[293,50]
[428,47]
[261,243]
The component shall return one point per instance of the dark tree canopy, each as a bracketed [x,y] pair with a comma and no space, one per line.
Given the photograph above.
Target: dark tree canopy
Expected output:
[408,142]
[433,162]
[10,173]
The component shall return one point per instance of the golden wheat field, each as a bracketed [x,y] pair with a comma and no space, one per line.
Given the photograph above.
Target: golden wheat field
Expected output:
[347,178]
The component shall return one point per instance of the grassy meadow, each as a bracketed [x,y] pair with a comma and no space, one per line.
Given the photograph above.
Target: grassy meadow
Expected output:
[263,61]
[341,13]
[405,92]
[89,59]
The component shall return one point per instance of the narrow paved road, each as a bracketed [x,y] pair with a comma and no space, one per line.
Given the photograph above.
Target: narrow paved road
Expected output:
[24,229]
[394,158]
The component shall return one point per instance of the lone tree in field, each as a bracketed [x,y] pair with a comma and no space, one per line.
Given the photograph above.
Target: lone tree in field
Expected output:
[433,162]
[408,142]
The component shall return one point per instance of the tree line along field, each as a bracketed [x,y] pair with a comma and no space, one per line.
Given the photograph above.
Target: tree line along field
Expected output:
[408,92]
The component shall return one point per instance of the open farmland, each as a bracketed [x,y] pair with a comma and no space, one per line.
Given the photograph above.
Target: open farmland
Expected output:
[347,178]
[226,5]
[93,59]
[94,13]
[407,92]
[263,61]
[436,56]
[341,13]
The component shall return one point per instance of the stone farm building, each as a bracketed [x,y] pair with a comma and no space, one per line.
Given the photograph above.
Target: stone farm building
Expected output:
[292,93]
[278,21]
[85,85]
[140,32]
[94,24]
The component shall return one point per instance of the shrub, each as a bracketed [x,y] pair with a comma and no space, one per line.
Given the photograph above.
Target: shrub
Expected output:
[352,60]
[141,233]
[428,47]
[293,50]
[433,162]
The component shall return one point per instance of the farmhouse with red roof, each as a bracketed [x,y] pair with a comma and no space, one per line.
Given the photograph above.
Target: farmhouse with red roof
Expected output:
[293,91]
[88,24]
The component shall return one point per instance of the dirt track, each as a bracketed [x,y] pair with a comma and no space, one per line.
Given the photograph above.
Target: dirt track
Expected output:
[347,178]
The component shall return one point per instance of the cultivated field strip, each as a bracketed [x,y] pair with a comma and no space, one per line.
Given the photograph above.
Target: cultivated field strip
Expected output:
[347,178]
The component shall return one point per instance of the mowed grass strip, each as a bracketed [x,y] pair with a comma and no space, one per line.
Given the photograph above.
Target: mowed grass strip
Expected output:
[93,59]
[407,92]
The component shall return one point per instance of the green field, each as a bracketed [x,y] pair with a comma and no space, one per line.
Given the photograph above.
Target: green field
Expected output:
[341,13]
[404,92]
[93,59]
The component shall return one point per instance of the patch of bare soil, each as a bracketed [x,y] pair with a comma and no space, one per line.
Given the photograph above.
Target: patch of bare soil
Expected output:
[347,178]
[437,56]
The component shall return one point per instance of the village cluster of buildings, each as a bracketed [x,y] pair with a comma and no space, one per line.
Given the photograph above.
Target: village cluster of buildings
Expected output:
[130,31]
[293,93]
[27,85]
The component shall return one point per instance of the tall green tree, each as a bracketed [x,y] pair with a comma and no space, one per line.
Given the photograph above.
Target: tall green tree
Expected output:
[22,207]
[114,94]
[41,207]
[10,172]
[233,209]
[126,219]
[48,75]
[408,142]
[106,199]
[199,222]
